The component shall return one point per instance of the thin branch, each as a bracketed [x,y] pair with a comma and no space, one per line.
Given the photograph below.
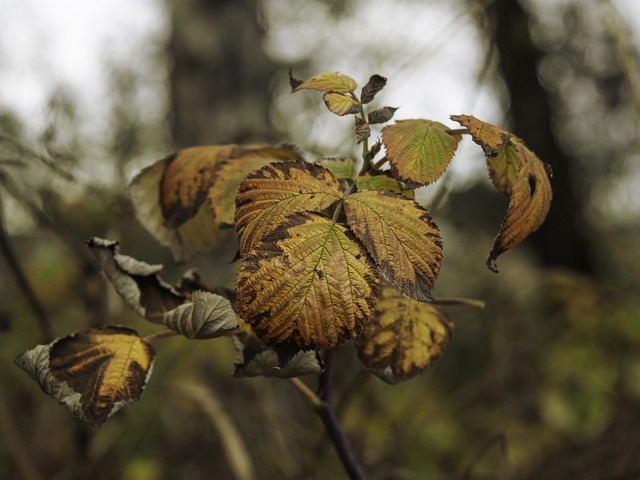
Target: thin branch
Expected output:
[33,302]
[154,337]
[469,302]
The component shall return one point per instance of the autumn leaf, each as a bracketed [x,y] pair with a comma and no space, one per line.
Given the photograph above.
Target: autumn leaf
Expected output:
[232,171]
[372,87]
[404,337]
[419,151]
[267,196]
[517,172]
[362,130]
[400,236]
[169,197]
[308,284]
[192,229]
[341,104]
[328,82]
[94,373]
[254,358]
[200,315]
[381,115]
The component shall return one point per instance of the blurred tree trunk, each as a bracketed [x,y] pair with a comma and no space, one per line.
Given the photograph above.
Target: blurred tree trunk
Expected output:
[563,240]
[220,74]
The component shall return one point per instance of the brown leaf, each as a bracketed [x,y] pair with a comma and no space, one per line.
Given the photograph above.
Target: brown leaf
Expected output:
[94,373]
[362,130]
[404,337]
[373,86]
[381,115]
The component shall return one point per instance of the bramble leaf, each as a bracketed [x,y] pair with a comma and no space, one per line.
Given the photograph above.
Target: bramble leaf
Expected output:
[362,130]
[384,181]
[381,115]
[400,236]
[373,86]
[517,172]
[309,284]
[267,196]
[232,171]
[254,358]
[403,338]
[419,151]
[341,104]
[194,314]
[341,167]
[328,82]
[94,373]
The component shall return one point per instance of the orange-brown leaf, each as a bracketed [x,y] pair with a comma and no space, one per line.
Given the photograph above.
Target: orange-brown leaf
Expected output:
[267,196]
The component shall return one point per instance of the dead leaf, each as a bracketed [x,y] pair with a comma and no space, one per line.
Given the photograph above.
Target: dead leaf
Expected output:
[362,130]
[207,316]
[517,172]
[419,151]
[373,86]
[400,237]
[381,115]
[404,337]
[308,284]
[94,373]
[267,196]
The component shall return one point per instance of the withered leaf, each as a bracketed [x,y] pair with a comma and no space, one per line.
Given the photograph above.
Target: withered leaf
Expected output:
[373,86]
[381,115]
[293,82]
[329,82]
[232,171]
[94,373]
[267,196]
[400,236]
[404,337]
[197,316]
[362,130]
[308,284]
[341,104]
[517,172]
[254,358]
[419,151]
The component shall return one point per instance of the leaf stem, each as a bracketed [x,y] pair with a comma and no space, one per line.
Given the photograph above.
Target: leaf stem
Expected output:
[154,337]
[457,131]
[469,302]
[379,163]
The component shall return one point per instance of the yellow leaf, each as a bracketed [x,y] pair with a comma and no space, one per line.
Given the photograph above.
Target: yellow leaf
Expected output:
[382,181]
[419,151]
[404,337]
[94,372]
[329,82]
[266,197]
[232,171]
[401,238]
[518,172]
[309,284]
[341,104]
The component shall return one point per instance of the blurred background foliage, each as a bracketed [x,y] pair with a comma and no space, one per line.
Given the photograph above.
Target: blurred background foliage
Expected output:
[544,383]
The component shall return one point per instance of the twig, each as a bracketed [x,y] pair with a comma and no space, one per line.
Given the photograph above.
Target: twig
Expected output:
[21,279]
[469,302]
[154,337]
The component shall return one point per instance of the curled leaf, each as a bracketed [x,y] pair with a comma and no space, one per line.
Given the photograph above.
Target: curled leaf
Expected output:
[381,115]
[373,86]
[328,82]
[308,284]
[517,172]
[207,316]
[419,151]
[267,196]
[341,104]
[362,130]
[401,238]
[403,338]
[94,373]
[254,358]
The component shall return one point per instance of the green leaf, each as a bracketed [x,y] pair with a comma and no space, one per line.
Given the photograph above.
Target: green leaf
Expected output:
[309,284]
[329,82]
[419,151]
[341,104]
[382,181]
[400,236]
[404,337]
[342,168]
[266,197]
[373,86]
